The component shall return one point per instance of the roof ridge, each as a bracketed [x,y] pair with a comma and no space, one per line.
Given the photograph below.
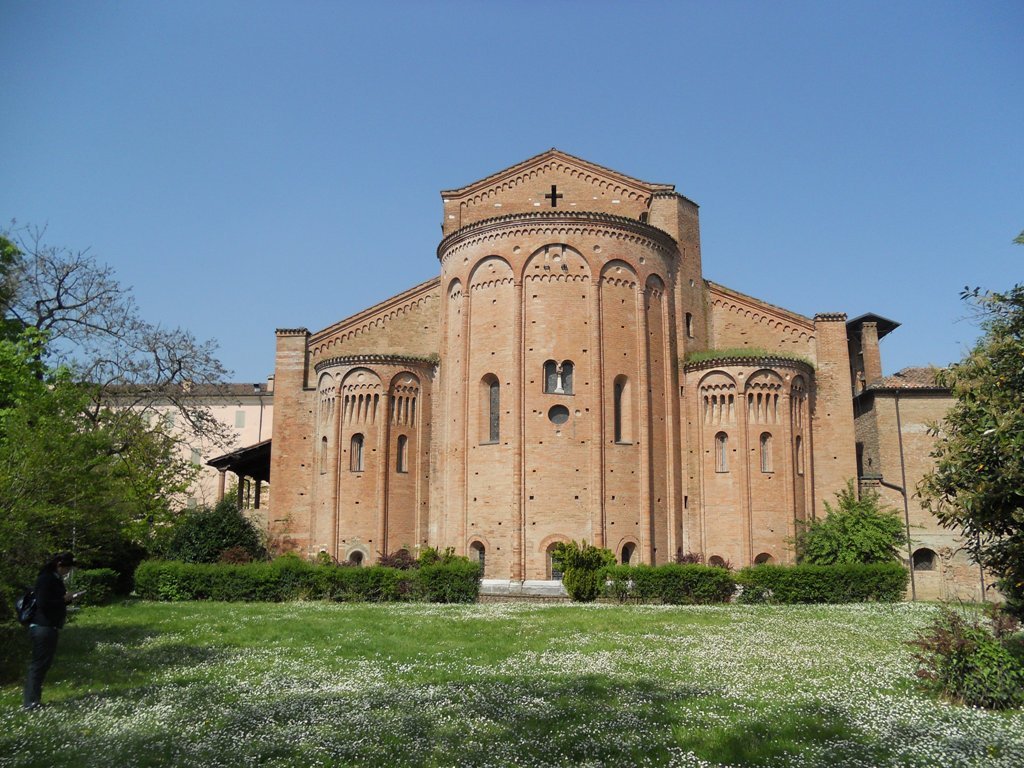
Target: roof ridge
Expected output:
[555,152]
[397,298]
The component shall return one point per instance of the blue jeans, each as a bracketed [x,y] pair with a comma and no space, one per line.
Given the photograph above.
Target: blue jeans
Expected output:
[44,648]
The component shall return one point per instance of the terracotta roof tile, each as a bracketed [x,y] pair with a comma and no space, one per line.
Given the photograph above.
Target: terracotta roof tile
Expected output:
[908,378]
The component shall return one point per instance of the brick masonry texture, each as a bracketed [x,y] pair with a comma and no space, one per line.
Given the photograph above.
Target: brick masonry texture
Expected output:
[538,391]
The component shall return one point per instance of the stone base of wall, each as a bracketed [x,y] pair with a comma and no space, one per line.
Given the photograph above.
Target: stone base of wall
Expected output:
[491,589]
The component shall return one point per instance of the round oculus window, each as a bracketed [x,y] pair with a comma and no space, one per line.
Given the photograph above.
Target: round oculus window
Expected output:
[558,414]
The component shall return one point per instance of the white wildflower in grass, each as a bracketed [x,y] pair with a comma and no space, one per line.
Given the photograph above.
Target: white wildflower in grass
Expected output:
[496,684]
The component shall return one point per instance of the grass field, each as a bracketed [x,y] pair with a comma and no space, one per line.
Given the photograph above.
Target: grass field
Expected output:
[314,684]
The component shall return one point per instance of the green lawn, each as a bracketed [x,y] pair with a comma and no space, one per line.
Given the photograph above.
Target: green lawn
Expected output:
[302,684]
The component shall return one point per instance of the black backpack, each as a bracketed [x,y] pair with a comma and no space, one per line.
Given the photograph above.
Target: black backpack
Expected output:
[25,607]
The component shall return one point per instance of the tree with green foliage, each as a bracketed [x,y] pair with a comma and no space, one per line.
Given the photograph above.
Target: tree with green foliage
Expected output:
[204,534]
[71,478]
[83,466]
[10,260]
[856,530]
[581,564]
[977,485]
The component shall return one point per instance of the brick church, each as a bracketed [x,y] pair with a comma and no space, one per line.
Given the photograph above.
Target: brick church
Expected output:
[571,374]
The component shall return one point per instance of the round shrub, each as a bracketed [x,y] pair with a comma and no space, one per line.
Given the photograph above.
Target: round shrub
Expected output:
[203,535]
[581,565]
[965,660]
[582,584]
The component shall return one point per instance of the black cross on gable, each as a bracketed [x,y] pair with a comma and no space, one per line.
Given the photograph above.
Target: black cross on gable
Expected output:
[554,196]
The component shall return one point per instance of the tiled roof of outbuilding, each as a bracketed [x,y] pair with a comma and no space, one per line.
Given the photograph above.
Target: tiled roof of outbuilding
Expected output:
[909,378]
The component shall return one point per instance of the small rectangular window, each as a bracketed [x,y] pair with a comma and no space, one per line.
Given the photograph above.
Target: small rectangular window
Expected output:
[239,419]
[766,453]
[721,452]
[196,456]
[402,458]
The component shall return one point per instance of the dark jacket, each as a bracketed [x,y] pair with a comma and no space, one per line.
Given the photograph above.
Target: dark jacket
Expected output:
[51,610]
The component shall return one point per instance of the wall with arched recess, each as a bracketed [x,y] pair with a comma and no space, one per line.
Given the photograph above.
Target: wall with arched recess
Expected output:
[748,502]
[558,427]
[620,303]
[492,370]
[766,406]
[406,490]
[324,473]
[659,373]
[448,497]
[799,445]
[563,471]
[361,497]
[363,406]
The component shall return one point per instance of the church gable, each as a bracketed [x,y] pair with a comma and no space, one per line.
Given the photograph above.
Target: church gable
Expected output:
[405,325]
[739,321]
[551,181]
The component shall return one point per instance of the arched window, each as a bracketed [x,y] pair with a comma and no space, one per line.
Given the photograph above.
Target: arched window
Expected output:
[402,454]
[689,325]
[491,410]
[549,556]
[355,458]
[550,376]
[721,452]
[766,452]
[628,550]
[566,375]
[558,377]
[323,455]
[924,559]
[764,559]
[716,561]
[477,552]
[799,455]
[356,557]
[621,410]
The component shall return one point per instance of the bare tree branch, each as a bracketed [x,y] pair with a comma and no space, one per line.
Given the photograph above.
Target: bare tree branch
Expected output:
[94,329]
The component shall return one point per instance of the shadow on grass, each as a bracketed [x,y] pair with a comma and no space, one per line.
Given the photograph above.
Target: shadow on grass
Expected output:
[821,735]
[99,657]
[586,720]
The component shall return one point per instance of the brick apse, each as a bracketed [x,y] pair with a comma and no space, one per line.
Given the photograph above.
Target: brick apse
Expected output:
[570,374]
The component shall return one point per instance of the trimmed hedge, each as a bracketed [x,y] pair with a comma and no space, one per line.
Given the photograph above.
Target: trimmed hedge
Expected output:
[99,584]
[672,584]
[14,652]
[853,583]
[289,578]
[453,582]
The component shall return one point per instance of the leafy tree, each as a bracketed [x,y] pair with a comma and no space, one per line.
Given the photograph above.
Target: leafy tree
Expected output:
[977,485]
[82,466]
[857,530]
[203,535]
[68,480]
[10,260]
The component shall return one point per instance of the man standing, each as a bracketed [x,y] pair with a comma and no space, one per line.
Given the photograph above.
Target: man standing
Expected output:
[52,600]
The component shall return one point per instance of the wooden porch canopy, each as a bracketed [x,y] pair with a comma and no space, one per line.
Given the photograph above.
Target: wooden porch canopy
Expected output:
[251,462]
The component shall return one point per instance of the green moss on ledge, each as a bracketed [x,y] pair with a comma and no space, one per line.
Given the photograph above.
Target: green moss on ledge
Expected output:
[742,353]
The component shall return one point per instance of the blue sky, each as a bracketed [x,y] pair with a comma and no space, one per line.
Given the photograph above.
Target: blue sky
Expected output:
[246,166]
